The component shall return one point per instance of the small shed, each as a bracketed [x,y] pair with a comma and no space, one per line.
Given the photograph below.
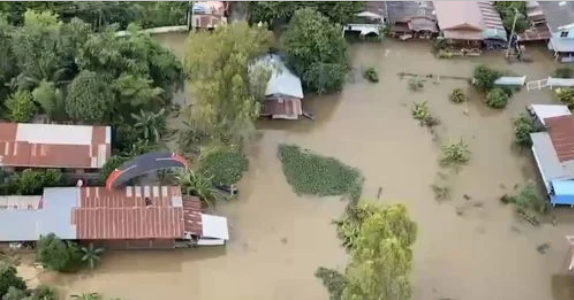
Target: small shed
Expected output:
[511,81]
[562,192]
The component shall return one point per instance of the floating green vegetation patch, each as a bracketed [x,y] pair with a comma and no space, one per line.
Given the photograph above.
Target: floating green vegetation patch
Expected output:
[312,174]
[224,166]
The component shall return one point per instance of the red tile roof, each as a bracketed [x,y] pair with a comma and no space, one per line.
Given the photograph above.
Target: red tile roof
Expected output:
[561,131]
[123,214]
[19,146]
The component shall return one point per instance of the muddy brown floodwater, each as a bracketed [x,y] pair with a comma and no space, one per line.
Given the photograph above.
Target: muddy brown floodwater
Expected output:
[467,249]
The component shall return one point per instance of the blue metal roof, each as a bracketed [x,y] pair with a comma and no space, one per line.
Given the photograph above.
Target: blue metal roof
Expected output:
[563,187]
[55,217]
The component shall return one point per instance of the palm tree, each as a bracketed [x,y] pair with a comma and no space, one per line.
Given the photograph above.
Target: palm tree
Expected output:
[196,184]
[151,125]
[88,296]
[91,255]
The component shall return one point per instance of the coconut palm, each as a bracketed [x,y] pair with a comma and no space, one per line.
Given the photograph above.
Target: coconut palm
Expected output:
[92,254]
[193,183]
[151,125]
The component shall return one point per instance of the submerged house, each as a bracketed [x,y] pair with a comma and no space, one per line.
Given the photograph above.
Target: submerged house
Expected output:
[553,152]
[135,217]
[538,29]
[209,14]
[470,24]
[413,18]
[370,21]
[560,19]
[284,92]
[76,148]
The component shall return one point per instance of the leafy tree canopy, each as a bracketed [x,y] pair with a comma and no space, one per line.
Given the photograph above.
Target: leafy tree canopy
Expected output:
[9,278]
[270,11]
[218,65]
[88,98]
[58,255]
[20,107]
[316,51]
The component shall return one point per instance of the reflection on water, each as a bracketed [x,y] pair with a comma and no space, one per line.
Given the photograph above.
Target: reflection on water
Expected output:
[469,248]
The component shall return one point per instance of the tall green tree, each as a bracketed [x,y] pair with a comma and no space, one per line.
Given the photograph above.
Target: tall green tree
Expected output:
[152,126]
[89,98]
[21,107]
[271,11]
[218,66]
[316,51]
[380,255]
[50,99]
[58,255]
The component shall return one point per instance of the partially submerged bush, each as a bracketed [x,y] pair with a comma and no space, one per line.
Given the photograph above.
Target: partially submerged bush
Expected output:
[566,96]
[457,96]
[416,84]
[312,174]
[225,167]
[484,77]
[497,98]
[441,193]
[371,75]
[420,112]
[57,255]
[563,72]
[455,153]
[523,127]
[529,203]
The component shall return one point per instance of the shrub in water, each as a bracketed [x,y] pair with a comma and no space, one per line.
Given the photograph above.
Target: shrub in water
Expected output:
[523,127]
[457,96]
[566,96]
[457,153]
[371,75]
[497,98]
[484,77]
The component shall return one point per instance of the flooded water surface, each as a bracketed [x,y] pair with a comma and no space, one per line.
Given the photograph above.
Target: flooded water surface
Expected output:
[469,247]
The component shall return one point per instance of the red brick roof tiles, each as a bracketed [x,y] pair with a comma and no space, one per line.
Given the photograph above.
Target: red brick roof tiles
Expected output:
[561,131]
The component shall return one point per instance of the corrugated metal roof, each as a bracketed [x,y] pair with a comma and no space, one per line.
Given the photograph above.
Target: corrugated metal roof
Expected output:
[54,146]
[561,131]
[282,81]
[124,214]
[563,187]
[403,11]
[290,107]
[54,217]
[557,15]
[547,160]
[545,111]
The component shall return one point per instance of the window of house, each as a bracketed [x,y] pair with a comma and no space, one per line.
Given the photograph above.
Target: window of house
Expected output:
[564,34]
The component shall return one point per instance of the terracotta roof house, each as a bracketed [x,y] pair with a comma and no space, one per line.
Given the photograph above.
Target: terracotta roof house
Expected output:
[133,217]
[553,152]
[54,146]
[538,30]
[209,14]
[284,91]
[369,21]
[474,23]
[560,20]
[412,17]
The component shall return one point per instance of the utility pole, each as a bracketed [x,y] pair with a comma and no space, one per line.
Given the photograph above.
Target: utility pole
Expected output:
[512,32]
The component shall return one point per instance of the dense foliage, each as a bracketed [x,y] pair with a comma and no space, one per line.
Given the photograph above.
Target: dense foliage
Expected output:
[269,12]
[565,95]
[58,255]
[497,98]
[484,77]
[218,64]
[523,127]
[312,174]
[316,51]
[9,278]
[102,13]
[508,10]
[379,240]
[71,74]
[225,167]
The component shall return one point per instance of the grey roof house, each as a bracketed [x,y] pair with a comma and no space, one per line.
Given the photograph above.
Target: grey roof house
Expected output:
[284,91]
[369,21]
[560,20]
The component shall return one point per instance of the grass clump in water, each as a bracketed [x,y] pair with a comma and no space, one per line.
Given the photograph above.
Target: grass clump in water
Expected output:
[421,113]
[529,203]
[455,154]
[312,174]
